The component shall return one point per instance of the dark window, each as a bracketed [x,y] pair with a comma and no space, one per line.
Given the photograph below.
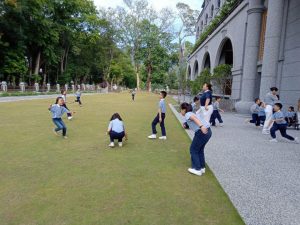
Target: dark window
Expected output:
[212,11]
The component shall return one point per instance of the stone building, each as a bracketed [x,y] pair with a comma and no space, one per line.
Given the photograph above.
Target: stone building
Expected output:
[261,40]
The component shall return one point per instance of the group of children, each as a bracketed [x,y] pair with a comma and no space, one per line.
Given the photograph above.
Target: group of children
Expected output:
[269,115]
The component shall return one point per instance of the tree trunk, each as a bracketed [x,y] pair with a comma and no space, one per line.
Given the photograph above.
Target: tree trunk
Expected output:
[62,61]
[149,69]
[137,78]
[111,84]
[30,70]
[37,63]
[66,58]
[45,79]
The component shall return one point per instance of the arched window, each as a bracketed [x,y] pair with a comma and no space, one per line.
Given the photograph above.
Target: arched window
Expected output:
[219,3]
[212,11]
[206,19]
[201,26]
[198,32]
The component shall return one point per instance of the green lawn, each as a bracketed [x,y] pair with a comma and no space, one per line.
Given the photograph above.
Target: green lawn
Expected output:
[45,179]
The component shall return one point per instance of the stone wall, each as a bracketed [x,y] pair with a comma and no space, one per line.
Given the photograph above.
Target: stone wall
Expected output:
[289,82]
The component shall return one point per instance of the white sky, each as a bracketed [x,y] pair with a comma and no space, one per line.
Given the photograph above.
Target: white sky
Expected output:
[157,4]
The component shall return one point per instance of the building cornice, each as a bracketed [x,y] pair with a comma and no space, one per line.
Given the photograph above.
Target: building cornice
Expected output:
[221,26]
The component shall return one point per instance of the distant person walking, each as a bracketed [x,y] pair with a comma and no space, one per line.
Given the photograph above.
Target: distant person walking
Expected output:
[270,99]
[133,93]
[206,108]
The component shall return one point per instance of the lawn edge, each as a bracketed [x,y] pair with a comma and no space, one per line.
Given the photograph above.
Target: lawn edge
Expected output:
[191,136]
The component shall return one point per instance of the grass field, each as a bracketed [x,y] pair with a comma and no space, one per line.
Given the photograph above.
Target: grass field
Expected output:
[47,180]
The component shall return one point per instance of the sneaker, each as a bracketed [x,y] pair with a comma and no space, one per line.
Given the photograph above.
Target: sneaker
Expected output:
[111,145]
[163,138]
[203,170]
[120,144]
[296,140]
[70,117]
[273,140]
[55,132]
[195,172]
[65,137]
[265,132]
[261,125]
[221,125]
[152,136]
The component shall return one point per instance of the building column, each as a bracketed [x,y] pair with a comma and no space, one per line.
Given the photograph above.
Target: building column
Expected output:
[251,56]
[272,46]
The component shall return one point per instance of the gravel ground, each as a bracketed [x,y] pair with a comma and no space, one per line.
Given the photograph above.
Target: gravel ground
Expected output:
[262,179]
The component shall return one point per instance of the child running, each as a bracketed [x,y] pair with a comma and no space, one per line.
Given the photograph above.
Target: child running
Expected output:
[78,96]
[116,130]
[57,111]
[280,124]
[216,113]
[160,118]
[202,135]
[64,97]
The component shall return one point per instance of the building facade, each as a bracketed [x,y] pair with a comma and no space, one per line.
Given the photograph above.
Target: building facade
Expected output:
[261,40]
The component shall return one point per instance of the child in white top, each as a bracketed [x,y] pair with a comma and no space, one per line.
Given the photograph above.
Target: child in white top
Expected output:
[116,130]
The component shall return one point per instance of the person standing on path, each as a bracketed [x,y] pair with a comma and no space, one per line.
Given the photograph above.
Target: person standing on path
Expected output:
[206,108]
[270,99]
[216,113]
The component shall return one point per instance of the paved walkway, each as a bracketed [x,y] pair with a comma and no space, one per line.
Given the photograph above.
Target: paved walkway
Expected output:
[33,97]
[262,179]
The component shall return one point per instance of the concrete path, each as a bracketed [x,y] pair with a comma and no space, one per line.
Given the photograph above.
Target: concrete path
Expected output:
[34,97]
[262,179]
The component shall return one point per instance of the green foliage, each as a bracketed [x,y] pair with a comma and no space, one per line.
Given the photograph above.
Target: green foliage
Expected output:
[222,77]
[224,12]
[204,77]
[67,39]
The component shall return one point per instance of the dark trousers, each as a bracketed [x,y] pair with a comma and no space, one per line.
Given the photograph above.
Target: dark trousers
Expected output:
[162,124]
[282,128]
[133,97]
[78,100]
[197,149]
[262,119]
[255,119]
[114,135]
[215,115]
[68,114]
[60,125]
